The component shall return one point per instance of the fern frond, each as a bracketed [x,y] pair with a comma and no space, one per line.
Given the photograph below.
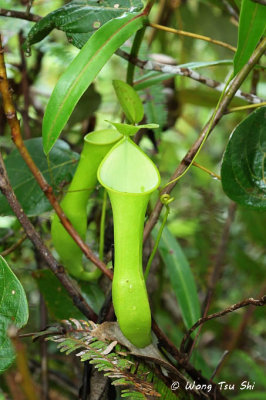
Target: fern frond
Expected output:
[136,379]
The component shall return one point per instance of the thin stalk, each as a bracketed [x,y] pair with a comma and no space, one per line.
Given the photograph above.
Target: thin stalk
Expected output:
[148,7]
[212,174]
[102,226]
[165,200]
[193,35]
[147,270]
[243,108]
[13,247]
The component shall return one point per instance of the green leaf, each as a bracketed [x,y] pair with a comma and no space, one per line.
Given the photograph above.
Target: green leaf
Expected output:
[79,19]
[243,165]
[57,300]
[180,275]
[130,101]
[13,311]
[81,72]
[251,28]
[62,165]
[131,130]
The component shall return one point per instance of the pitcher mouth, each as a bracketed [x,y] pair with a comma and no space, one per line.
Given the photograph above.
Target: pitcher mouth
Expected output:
[103,137]
[126,169]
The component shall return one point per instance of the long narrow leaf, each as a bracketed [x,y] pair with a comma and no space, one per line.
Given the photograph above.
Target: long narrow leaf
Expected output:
[81,72]
[181,277]
[252,25]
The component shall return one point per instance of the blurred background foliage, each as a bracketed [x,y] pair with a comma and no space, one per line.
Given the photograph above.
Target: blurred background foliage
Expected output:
[198,214]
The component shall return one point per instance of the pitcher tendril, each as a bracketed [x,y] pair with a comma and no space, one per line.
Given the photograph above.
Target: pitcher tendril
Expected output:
[165,199]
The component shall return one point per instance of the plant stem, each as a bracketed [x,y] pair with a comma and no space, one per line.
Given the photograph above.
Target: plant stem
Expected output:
[20,15]
[102,226]
[196,375]
[13,247]
[248,107]
[192,35]
[243,303]
[148,7]
[167,69]
[156,244]
[212,174]
[231,11]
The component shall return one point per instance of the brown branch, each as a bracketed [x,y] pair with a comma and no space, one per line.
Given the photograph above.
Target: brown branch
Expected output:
[230,10]
[187,72]
[25,89]
[148,7]
[233,87]
[241,304]
[20,15]
[30,2]
[11,116]
[13,247]
[262,2]
[57,269]
[158,19]
[181,359]
[239,332]
[224,355]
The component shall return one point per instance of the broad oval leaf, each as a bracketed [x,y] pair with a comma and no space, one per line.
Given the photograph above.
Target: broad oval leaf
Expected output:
[13,311]
[79,19]
[252,25]
[129,101]
[243,165]
[81,72]
[61,168]
[180,275]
